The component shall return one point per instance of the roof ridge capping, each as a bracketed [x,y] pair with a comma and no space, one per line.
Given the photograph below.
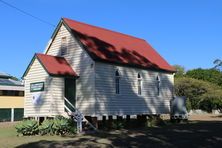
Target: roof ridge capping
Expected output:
[131,36]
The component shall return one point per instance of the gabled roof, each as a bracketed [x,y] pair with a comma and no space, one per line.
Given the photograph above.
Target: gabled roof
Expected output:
[113,47]
[56,66]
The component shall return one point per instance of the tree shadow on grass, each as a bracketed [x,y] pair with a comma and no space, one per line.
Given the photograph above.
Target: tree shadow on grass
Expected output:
[195,134]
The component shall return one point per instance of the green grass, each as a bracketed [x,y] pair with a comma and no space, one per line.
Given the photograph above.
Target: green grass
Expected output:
[9,138]
[8,131]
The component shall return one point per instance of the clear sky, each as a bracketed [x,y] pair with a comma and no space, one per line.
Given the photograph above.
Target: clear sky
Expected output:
[184,32]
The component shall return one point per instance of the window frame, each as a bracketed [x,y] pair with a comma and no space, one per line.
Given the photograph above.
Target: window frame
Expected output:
[139,84]
[158,85]
[64,48]
[117,79]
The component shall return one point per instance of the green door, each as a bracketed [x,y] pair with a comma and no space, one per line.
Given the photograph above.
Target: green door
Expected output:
[70,90]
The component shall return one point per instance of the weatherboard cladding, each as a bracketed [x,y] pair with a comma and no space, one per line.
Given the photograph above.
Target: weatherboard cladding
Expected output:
[95,85]
[81,62]
[53,92]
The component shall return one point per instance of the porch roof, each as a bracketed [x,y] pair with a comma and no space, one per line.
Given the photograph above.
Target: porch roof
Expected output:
[56,66]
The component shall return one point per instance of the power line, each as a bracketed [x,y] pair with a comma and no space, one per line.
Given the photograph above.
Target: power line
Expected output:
[26,13]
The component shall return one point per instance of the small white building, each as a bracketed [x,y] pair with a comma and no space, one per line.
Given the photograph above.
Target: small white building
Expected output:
[101,72]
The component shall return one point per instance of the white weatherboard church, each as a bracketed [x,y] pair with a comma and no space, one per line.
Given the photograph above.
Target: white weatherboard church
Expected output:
[98,71]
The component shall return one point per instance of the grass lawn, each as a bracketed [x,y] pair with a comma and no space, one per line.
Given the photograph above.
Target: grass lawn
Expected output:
[198,133]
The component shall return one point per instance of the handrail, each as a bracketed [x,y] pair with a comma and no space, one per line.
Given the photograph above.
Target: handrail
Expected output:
[69,103]
[67,109]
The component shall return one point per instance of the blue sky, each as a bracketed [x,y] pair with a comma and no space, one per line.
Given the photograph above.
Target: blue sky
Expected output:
[185,32]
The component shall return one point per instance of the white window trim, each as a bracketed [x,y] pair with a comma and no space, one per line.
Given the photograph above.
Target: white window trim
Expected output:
[158,85]
[141,84]
[119,77]
[63,45]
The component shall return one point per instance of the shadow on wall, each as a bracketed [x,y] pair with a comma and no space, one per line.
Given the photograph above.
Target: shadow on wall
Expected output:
[128,102]
[43,108]
[106,101]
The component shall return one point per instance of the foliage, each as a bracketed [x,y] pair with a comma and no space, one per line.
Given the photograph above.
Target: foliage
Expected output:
[46,127]
[218,64]
[211,101]
[118,124]
[210,75]
[180,70]
[27,127]
[59,126]
[188,105]
[201,94]
[62,126]
[154,121]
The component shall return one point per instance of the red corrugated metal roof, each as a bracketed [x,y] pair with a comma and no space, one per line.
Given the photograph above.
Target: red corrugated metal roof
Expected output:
[56,66]
[110,46]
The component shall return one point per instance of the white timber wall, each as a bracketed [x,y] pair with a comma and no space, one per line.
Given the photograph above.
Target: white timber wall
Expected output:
[128,102]
[82,64]
[52,96]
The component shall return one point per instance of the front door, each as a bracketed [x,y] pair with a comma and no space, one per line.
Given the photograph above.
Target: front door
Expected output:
[70,90]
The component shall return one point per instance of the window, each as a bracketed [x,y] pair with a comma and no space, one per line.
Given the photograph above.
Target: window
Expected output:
[63,46]
[11,93]
[117,81]
[158,85]
[139,84]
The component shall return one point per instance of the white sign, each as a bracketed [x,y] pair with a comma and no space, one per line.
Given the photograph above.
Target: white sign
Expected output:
[36,99]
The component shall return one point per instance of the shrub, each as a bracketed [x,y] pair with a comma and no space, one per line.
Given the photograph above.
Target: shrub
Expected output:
[197,91]
[27,127]
[63,126]
[210,75]
[118,124]
[58,126]
[155,121]
[211,102]
[188,105]
[46,127]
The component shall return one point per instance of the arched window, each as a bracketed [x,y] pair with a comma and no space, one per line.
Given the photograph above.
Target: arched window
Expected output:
[139,84]
[158,85]
[117,81]
[63,50]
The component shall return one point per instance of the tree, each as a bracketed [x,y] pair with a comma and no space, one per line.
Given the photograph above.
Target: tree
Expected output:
[201,94]
[218,64]
[210,75]
[180,70]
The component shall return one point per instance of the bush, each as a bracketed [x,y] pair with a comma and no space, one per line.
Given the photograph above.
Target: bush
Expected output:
[63,126]
[188,105]
[58,126]
[27,127]
[196,91]
[154,121]
[118,124]
[46,127]
[211,102]
[210,75]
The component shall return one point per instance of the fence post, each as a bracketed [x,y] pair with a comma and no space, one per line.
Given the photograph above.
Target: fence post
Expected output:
[12,114]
